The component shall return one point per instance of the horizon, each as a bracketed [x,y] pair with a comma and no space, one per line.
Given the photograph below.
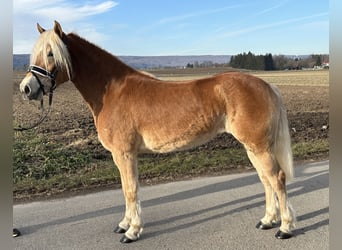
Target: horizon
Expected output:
[155,28]
[202,55]
[174,61]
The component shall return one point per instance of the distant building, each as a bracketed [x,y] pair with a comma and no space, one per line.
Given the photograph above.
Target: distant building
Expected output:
[325,65]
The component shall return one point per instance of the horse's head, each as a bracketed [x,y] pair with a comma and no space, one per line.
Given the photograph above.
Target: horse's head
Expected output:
[50,63]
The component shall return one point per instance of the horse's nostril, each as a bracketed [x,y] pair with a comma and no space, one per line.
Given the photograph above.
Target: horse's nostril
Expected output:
[27,90]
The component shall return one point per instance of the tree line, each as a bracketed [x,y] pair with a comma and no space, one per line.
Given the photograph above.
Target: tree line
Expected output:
[278,62]
[205,64]
[251,61]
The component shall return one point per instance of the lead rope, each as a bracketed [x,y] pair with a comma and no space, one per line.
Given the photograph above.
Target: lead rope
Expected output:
[42,116]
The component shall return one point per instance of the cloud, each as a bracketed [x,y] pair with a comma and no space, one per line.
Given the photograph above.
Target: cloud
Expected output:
[197,14]
[26,13]
[271,25]
[267,10]
[63,10]
[182,17]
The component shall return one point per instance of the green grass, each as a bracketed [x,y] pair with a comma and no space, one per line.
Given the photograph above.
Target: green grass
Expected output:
[311,150]
[43,168]
[35,157]
[192,163]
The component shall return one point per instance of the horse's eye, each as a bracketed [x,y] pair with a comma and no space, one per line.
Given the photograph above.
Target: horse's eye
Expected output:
[50,54]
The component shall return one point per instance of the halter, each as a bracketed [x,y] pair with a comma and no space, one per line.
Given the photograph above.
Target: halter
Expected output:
[35,71]
[43,72]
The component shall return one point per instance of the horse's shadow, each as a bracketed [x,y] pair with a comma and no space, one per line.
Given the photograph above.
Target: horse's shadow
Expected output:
[319,178]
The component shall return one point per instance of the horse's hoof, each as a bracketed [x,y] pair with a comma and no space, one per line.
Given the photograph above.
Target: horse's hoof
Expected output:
[119,230]
[16,232]
[126,240]
[262,226]
[281,235]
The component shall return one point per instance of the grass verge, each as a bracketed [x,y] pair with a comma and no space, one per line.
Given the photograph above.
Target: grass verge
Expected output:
[41,168]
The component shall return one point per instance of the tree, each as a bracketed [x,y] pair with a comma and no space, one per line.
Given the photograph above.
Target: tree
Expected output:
[253,62]
[280,62]
[318,60]
[269,65]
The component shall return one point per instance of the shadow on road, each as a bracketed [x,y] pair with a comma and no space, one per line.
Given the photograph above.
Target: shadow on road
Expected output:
[313,181]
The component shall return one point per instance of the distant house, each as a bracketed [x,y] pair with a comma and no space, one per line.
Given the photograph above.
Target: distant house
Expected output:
[325,65]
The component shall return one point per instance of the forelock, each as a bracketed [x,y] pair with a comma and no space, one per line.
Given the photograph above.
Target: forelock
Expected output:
[60,52]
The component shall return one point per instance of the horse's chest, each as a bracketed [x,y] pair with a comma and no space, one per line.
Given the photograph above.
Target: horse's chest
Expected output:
[103,136]
[118,136]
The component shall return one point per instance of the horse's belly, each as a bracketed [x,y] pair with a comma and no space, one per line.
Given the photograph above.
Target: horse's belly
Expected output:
[178,144]
[178,140]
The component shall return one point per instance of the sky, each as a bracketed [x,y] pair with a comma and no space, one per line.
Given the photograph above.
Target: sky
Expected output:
[179,27]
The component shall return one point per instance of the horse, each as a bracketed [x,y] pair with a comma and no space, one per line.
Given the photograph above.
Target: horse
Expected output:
[136,113]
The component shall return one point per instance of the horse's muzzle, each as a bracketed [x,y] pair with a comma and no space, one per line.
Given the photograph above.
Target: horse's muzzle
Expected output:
[30,91]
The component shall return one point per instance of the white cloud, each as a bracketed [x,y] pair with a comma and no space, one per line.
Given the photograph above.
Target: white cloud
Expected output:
[91,33]
[197,14]
[26,13]
[61,8]
[68,12]
[267,10]
[182,17]
[271,25]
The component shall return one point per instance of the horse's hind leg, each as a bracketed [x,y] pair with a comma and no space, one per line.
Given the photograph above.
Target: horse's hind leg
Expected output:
[274,181]
[271,207]
[132,224]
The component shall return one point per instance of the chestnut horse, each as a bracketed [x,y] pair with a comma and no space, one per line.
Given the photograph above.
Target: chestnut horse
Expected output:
[134,112]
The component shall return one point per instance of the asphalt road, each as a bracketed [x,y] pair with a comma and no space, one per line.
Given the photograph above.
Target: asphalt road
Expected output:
[203,213]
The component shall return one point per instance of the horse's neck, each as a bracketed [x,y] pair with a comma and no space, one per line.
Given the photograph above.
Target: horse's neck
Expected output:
[93,69]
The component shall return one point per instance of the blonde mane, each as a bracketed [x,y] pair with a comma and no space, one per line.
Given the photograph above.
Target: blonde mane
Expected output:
[49,39]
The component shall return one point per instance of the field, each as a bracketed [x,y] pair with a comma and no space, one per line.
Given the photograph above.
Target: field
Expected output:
[63,155]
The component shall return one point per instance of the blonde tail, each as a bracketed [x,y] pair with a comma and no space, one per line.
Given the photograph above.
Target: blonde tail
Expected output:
[283,149]
[282,143]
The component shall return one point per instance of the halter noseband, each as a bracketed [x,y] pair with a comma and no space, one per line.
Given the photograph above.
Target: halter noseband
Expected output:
[43,72]
[35,71]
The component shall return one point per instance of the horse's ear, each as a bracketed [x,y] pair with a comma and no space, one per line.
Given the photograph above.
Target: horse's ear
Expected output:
[40,29]
[58,29]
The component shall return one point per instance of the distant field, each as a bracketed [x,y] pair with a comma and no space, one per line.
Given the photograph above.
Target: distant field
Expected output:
[302,77]
[298,78]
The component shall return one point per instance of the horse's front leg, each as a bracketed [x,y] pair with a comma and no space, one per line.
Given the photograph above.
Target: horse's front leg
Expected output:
[132,224]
